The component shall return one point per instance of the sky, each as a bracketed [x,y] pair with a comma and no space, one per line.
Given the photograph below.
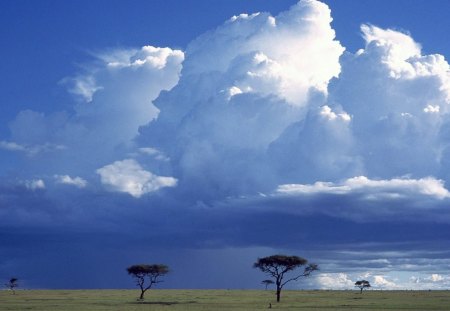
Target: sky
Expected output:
[206,136]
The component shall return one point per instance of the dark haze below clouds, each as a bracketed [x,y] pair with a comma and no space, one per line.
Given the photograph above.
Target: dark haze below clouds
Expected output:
[76,252]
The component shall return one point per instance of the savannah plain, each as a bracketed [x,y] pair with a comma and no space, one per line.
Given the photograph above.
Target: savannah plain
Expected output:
[232,300]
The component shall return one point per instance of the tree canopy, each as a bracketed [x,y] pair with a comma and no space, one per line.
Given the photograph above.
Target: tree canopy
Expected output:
[277,266]
[152,273]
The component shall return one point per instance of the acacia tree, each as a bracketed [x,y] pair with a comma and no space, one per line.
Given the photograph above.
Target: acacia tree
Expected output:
[12,284]
[362,284]
[267,283]
[277,266]
[144,272]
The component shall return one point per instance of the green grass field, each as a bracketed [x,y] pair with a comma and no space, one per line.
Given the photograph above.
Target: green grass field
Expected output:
[124,300]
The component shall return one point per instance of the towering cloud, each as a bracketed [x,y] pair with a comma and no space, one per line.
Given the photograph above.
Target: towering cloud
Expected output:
[259,102]
[399,101]
[242,86]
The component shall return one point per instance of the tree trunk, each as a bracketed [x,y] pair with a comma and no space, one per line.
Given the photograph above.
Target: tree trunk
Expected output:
[278,294]
[361,290]
[142,295]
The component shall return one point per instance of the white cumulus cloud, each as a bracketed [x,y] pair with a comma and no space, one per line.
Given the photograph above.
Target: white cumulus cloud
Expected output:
[335,281]
[431,109]
[74,181]
[253,50]
[398,99]
[382,282]
[155,153]
[129,177]
[329,114]
[242,86]
[126,83]
[261,102]
[436,277]
[400,187]
[35,184]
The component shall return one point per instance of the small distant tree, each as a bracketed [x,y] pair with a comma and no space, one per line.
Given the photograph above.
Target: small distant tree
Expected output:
[362,284]
[277,266]
[147,275]
[267,283]
[12,284]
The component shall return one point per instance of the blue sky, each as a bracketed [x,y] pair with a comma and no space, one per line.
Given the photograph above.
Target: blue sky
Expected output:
[202,136]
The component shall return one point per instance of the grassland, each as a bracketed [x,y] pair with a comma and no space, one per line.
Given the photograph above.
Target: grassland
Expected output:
[234,300]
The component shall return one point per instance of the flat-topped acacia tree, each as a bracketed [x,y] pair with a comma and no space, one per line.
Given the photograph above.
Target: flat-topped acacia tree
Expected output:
[279,266]
[151,273]
[362,284]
